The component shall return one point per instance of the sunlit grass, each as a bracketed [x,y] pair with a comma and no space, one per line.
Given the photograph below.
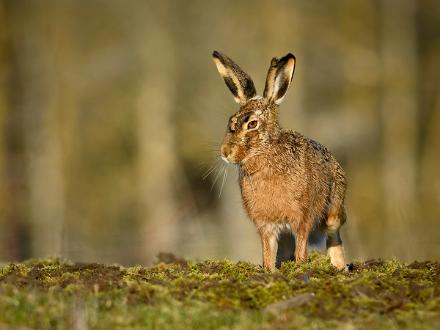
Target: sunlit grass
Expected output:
[180,294]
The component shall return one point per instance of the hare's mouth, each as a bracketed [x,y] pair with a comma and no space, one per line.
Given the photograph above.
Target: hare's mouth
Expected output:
[230,159]
[225,159]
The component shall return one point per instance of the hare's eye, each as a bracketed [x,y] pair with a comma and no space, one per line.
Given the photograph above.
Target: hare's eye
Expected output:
[252,124]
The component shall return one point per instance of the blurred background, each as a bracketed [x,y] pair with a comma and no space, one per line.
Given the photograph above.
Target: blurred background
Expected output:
[112,111]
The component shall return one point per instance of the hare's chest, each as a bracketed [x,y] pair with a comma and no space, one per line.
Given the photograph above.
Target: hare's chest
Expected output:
[269,198]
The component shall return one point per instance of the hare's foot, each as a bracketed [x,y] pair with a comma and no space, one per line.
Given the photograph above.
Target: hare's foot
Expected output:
[337,258]
[335,249]
[334,242]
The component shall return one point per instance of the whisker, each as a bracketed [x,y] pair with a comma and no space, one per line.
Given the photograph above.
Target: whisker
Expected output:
[225,176]
[210,170]
[217,175]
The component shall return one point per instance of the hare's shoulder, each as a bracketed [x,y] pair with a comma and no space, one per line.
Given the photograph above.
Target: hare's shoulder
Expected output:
[300,145]
[292,140]
[297,143]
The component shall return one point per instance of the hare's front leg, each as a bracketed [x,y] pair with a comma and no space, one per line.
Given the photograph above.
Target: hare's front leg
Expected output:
[269,244]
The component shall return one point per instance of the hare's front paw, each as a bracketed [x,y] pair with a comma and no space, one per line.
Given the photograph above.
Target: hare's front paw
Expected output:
[269,268]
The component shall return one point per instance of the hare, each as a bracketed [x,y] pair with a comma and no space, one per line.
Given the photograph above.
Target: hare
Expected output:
[286,179]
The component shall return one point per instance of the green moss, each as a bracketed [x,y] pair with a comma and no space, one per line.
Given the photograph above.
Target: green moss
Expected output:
[179,294]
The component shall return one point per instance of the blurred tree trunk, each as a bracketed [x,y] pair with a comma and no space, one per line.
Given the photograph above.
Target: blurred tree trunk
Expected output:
[13,191]
[429,50]
[357,118]
[430,181]
[65,108]
[157,157]
[31,37]
[399,119]
[5,250]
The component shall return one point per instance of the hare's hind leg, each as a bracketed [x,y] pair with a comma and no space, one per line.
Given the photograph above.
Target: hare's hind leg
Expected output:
[334,243]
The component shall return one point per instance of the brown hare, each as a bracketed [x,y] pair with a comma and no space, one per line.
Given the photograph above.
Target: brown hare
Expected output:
[286,180]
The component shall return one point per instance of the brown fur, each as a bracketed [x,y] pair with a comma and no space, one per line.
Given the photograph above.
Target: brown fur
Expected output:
[286,179]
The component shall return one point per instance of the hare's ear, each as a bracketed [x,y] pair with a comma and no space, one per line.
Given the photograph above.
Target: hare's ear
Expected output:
[279,77]
[238,81]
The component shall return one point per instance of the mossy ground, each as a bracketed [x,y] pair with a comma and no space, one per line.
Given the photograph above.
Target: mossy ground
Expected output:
[180,294]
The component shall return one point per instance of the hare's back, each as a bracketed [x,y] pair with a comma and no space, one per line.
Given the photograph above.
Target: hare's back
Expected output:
[309,153]
[312,169]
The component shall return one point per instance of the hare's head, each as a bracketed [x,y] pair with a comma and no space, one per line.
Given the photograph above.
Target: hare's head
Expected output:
[251,129]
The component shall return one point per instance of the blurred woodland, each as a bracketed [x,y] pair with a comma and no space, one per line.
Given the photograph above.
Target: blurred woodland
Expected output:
[111,112]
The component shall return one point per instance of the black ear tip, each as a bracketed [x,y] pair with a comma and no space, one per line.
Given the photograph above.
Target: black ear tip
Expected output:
[290,56]
[215,54]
